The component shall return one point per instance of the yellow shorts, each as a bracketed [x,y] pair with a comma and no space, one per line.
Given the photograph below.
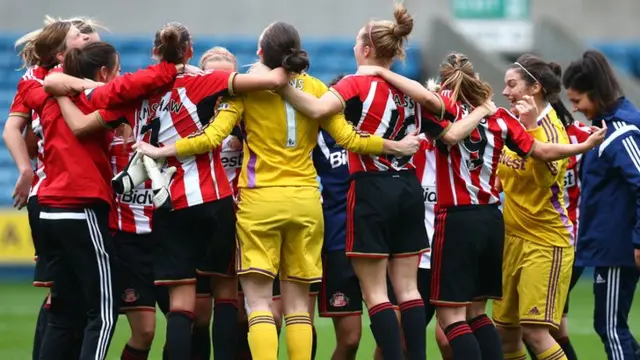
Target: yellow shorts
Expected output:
[535,283]
[280,229]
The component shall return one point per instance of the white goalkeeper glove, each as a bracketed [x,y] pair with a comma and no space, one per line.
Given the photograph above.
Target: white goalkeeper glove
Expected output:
[133,175]
[159,183]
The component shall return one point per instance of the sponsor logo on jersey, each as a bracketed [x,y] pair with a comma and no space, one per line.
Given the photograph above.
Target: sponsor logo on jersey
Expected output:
[231,159]
[138,197]
[338,158]
[570,178]
[516,163]
[429,194]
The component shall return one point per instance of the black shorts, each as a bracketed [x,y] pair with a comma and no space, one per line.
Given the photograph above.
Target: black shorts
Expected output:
[385,215]
[135,269]
[466,255]
[424,287]
[575,277]
[200,238]
[40,277]
[203,286]
[314,288]
[340,293]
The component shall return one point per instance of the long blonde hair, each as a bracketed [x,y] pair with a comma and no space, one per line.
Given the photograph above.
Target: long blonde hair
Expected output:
[26,43]
[457,75]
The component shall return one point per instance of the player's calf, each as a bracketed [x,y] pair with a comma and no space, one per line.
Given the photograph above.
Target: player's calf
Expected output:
[142,324]
[484,330]
[541,342]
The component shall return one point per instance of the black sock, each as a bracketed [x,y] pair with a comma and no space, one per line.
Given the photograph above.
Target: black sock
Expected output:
[200,343]
[242,348]
[463,343]
[165,353]
[487,336]
[41,328]
[314,344]
[224,328]
[567,347]
[530,351]
[178,340]
[414,327]
[129,353]
[386,331]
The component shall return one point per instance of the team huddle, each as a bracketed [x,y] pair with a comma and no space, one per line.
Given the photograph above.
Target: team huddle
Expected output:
[249,198]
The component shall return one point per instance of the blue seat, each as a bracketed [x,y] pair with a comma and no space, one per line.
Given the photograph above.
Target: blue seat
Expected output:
[619,54]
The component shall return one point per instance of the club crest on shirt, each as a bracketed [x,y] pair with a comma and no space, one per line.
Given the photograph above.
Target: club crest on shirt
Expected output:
[339,300]
[130,296]
[223,106]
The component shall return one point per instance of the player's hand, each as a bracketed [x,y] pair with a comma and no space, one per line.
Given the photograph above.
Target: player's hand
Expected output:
[280,77]
[190,69]
[148,150]
[409,144]
[490,107]
[636,256]
[597,135]
[21,191]
[371,70]
[527,109]
[235,144]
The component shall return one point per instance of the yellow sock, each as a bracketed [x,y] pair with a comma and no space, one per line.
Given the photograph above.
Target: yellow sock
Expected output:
[263,336]
[554,353]
[518,355]
[299,336]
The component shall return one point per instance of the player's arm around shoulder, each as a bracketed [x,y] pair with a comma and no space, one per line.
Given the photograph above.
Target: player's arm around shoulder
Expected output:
[211,136]
[546,174]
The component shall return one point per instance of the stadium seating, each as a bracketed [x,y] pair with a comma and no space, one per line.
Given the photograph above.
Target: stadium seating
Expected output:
[329,58]
[625,55]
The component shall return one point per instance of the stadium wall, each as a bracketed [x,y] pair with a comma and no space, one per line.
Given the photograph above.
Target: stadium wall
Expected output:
[313,18]
[16,246]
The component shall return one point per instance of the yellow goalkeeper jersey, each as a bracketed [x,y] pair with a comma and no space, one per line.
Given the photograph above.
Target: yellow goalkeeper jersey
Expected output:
[534,207]
[278,139]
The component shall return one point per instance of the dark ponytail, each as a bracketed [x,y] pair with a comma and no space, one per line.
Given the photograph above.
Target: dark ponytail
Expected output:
[172,42]
[533,70]
[593,75]
[86,62]
[280,44]
[296,61]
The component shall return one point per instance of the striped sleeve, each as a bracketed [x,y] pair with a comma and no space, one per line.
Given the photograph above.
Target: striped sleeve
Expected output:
[546,174]
[623,151]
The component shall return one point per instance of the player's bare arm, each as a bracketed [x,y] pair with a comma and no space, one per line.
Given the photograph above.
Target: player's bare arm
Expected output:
[272,80]
[80,124]
[60,84]
[330,103]
[412,88]
[12,136]
[460,130]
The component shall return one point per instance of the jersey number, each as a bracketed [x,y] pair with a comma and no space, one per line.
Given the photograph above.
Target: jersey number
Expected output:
[476,147]
[291,125]
[398,162]
[154,127]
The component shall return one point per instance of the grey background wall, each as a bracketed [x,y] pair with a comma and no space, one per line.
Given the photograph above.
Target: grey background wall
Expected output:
[313,18]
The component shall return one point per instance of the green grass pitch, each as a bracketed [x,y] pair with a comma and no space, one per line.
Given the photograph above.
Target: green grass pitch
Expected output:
[19,305]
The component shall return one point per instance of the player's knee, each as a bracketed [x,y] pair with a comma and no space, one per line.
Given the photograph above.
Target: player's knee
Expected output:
[477,308]
[448,315]
[144,336]
[535,335]
[603,330]
[349,341]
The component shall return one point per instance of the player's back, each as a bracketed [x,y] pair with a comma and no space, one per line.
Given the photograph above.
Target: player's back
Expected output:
[534,206]
[175,114]
[279,140]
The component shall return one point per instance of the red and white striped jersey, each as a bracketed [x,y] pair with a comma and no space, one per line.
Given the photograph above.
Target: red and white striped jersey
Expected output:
[231,157]
[578,133]
[466,171]
[374,106]
[425,163]
[133,211]
[33,77]
[174,115]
